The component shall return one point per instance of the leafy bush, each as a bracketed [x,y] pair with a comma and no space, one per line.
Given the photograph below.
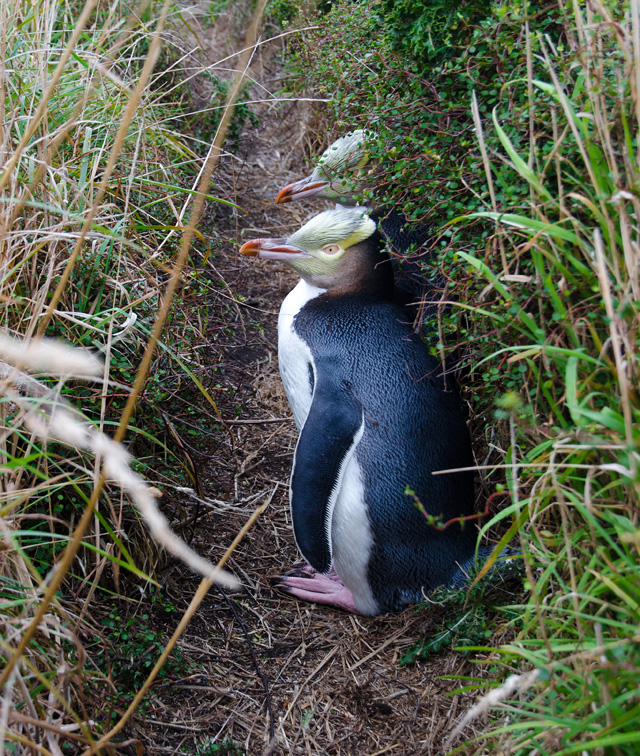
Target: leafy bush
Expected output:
[518,144]
[429,31]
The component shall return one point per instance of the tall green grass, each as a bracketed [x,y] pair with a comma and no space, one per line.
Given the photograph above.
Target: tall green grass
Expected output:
[99,197]
[563,303]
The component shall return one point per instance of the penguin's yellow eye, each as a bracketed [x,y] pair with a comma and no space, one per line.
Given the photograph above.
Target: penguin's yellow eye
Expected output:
[331,249]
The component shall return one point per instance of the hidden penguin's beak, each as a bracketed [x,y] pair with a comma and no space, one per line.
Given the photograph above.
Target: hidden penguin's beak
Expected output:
[299,189]
[272,249]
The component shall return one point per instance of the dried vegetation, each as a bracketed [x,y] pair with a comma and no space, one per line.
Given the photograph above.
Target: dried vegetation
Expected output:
[110,228]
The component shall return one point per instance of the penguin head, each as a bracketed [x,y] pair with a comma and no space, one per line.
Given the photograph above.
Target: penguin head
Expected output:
[335,176]
[338,250]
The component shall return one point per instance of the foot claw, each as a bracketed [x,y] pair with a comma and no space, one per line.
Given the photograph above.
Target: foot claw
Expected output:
[309,585]
[302,571]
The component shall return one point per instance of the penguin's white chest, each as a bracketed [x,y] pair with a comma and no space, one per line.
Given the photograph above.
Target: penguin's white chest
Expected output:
[294,356]
[352,539]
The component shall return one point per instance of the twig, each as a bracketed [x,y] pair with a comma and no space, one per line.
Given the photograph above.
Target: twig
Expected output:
[199,595]
[376,651]
[256,664]
[433,521]
[259,422]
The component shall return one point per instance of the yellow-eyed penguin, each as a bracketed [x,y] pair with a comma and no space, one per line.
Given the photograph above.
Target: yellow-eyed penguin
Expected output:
[339,175]
[376,417]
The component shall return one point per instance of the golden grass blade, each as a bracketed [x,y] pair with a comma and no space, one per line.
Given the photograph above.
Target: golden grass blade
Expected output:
[48,93]
[199,595]
[132,106]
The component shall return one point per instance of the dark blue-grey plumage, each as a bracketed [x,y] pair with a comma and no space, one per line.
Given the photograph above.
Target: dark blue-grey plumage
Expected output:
[377,369]
[376,417]
[409,246]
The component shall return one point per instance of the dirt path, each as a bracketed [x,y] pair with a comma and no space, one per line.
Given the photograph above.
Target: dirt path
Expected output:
[267,673]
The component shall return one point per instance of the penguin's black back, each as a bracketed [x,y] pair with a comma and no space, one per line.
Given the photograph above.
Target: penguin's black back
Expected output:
[409,248]
[402,236]
[413,425]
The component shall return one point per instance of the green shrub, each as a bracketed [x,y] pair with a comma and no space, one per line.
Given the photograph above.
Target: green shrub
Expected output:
[533,195]
[429,31]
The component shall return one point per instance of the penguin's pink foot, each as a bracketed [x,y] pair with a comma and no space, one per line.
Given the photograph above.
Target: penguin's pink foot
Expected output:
[309,585]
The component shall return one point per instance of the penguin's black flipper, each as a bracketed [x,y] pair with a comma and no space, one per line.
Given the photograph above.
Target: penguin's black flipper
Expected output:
[331,432]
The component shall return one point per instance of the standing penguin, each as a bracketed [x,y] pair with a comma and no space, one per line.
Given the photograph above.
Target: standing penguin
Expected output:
[376,417]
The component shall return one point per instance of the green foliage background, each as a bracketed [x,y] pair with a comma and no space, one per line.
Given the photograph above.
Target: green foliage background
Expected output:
[533,201]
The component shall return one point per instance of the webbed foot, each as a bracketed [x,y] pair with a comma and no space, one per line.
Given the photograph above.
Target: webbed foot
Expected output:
[308,584]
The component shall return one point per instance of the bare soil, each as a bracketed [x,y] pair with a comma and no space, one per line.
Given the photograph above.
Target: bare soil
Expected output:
[270,674]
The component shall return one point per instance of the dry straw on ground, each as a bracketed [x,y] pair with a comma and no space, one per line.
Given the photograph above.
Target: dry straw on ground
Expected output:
[30,405]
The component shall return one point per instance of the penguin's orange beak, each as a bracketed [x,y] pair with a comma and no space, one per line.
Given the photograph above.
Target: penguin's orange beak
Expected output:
[299,189]
[251,248]
[272,249]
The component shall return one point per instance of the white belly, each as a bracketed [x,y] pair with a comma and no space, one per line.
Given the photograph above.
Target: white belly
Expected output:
[351,538]
[294,356]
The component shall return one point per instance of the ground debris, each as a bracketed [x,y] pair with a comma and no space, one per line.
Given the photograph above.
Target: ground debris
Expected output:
[325,681]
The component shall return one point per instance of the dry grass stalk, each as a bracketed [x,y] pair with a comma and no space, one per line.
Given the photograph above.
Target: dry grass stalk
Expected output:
[197,599]
[48,356]
[50,418]
[53,420]
[116,149]
[35,120]
[513,684]
[50,211]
